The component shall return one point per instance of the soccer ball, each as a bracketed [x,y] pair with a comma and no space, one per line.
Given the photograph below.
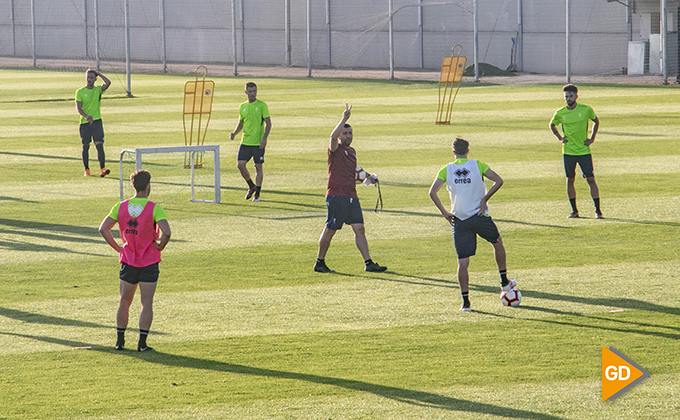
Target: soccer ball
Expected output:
[361,174]
[512,297]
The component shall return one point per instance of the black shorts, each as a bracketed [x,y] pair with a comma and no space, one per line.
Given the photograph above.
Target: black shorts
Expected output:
[134,275]
[585,162]
[465,234]
[248,152]
[90,132]
[342,210]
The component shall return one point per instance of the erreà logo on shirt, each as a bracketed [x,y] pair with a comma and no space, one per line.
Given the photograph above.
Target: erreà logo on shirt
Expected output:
[132,227]
[462,176]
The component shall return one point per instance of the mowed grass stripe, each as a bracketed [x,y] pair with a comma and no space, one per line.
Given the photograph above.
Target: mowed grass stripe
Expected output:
[269,229]
[365,303]
[252,369]
[244,326]
[459,402]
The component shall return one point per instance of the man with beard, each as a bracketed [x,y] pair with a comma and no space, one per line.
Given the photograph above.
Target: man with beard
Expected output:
[574,118]
[88,105]
[342,201]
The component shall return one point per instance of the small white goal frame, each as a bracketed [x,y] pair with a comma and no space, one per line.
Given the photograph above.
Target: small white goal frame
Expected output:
[177,149]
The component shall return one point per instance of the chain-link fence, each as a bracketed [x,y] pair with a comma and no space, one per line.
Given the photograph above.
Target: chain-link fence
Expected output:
[580,37]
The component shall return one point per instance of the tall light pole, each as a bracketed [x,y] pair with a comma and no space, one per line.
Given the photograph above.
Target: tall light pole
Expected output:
[568,42]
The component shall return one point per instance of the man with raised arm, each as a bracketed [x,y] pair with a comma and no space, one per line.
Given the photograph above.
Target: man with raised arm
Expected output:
[342,201]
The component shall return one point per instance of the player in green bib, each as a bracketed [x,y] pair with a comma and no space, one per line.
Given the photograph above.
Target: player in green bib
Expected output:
[255,122]
[88,105]
[575,119]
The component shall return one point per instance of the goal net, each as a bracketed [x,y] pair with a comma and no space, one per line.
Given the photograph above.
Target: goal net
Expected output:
[171,180]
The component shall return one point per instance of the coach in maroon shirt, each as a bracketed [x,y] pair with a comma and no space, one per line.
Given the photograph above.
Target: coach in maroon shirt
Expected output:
[341,198]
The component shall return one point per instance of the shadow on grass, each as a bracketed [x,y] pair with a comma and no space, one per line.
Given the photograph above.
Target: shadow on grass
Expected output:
[626,330]
[407,396]
[275,206]
[36,155]
[412,213]
[622,303]
[50,236]
[599,327]
[51,227]
[628,327]
[34,318]
[517,222]
[20,200]
[439,216]
[30,247]
[420,281]
[645,222]
[275,192]
[47,231]
[316,204]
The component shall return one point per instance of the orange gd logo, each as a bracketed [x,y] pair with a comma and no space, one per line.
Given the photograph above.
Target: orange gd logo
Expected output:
[619,373]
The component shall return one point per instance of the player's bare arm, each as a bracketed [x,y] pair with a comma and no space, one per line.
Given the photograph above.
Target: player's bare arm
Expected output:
[593,133]
[79,108]
[338,128]
[267,129]
[105,231]
[106,81]
[497,184]
[164,226]
[557,134]
[238,128]
[434,190]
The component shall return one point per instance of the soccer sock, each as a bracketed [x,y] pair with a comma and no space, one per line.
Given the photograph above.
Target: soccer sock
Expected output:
[121,337]
[257,190]
[320,261]
[86,155]
[466,299]
[100,155]
[596,201]
[251,184]
[368,261]
[504,277]
[142,338]
[572,201]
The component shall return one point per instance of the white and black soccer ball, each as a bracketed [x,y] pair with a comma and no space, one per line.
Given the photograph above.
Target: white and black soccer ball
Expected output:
[512,297]
[361,175]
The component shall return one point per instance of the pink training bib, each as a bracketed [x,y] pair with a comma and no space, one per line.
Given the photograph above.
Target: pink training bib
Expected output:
[139,234]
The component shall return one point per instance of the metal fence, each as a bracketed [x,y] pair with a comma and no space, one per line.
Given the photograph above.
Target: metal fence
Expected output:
[581,37]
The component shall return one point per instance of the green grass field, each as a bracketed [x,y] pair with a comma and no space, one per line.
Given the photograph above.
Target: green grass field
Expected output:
[244,329]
